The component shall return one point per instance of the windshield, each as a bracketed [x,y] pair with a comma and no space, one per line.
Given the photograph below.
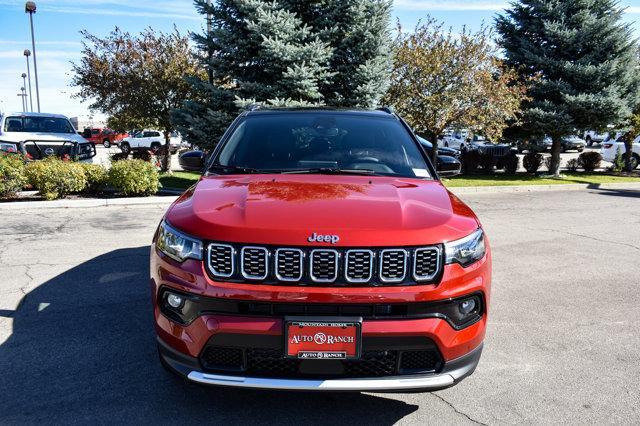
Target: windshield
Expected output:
[38,125]
[322,142]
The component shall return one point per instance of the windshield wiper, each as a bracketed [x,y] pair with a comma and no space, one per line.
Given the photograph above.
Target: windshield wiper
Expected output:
[233,169]
[330,171]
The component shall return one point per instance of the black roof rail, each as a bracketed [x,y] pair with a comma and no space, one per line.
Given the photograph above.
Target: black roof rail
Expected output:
[387,109]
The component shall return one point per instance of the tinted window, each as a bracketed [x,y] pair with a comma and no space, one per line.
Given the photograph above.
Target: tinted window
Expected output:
[38,125]
[297,141]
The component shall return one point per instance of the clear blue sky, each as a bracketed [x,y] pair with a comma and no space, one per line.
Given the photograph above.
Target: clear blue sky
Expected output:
[58,22]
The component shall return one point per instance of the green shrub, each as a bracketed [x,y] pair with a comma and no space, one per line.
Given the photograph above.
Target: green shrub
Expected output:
[12,177]
[618,162]
[55,178]
[532,161]
[96,176]
[511,162]
[573,165]
[134,177]
[119,156]
[589,161]
[142,154]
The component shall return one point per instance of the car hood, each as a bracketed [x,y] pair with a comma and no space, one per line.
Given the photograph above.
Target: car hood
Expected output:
[287,209]
[38,136]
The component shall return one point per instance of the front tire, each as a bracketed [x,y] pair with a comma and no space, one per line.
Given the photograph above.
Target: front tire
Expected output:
[125,148]
[635,161]
[106,143]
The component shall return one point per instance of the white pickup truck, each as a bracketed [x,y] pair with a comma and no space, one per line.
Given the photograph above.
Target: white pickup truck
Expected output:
[40,135]
[151,140]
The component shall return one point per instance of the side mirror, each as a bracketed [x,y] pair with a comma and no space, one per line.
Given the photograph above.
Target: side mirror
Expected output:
[200,162]
[193,161]
[448,166]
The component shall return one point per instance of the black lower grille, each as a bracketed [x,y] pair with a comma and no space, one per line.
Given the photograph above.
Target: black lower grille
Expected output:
[419,361]
[270,362]
[217,357]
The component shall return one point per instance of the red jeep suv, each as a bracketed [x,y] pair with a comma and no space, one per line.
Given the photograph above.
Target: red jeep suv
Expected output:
[320,251]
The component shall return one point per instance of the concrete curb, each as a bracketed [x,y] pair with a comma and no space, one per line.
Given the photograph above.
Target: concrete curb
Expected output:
[166,200]
[88,203]
[538,188]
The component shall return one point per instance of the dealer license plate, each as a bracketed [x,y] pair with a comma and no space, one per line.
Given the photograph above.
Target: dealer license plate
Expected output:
[323,339]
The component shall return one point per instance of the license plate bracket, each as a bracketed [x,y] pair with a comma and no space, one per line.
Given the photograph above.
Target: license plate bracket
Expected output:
[323,338]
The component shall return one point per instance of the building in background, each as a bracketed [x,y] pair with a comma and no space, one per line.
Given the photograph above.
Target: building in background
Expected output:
[82,122]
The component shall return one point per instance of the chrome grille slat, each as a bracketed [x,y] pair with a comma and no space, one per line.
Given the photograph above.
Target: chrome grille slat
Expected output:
[323,265]
[220,259]
[426,263]
[289,264]
[254,262]
[393,265]
[359,266]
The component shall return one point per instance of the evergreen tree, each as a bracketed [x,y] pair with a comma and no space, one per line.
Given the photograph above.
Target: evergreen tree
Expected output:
[580,59]
[358,32]
[286,53]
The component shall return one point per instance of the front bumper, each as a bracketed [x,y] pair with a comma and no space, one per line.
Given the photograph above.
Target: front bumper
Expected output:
[182,345]
[453,372]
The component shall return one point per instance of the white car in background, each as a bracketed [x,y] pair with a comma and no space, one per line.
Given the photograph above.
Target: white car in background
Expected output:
[39,135]
[612,146]
[591,137]
[458,139]
[151,140]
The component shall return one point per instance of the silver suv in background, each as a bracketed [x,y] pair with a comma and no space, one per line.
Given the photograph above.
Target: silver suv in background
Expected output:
[39,135]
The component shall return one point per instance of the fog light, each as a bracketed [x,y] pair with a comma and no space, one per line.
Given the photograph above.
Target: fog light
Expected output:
[174,300]
[467,306]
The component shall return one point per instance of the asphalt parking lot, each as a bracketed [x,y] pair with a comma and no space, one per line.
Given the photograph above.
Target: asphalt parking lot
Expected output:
[562,345]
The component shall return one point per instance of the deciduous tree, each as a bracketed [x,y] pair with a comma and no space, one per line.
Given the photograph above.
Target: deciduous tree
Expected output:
[441,78]
[136,80]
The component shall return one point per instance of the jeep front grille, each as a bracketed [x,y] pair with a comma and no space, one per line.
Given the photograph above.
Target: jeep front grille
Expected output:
[324,266]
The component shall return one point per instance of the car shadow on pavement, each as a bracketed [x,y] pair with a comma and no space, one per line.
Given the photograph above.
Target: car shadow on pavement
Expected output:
[83,349]
[628,193]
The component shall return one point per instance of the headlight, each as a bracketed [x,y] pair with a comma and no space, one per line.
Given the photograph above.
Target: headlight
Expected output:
[177,245]
[467,250]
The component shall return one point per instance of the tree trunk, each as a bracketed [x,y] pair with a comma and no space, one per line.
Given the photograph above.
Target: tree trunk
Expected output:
[166,160]
[628,151]
[556,147]
[433,138]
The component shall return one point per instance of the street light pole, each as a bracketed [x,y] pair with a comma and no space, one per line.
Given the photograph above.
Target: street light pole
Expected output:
[30,8]
[27,53]
[23,95]
[24,85]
